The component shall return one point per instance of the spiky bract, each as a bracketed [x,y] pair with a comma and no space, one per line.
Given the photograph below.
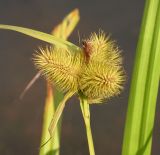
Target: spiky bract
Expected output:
[60,66]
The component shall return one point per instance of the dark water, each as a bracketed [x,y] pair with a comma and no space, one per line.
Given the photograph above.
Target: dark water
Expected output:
[20,123]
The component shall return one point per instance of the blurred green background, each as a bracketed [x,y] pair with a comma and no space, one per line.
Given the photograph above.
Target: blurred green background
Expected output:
[21,121]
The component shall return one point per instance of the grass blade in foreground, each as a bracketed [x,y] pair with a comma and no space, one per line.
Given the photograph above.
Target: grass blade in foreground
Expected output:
[42,36]
[58,113]
[139,77]
[52,147]
[151,91]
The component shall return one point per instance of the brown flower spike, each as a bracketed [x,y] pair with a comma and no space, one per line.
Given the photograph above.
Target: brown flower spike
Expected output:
[96,70]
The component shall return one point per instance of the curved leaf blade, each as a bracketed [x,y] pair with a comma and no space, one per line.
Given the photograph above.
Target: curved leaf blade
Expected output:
[42,36]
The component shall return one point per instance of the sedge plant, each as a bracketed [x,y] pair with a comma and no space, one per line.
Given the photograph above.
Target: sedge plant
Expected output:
[94,72]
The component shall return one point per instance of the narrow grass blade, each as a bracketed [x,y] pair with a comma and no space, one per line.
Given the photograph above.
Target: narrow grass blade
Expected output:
[52,147]
[139,80]
[64,29]
[29,85]
[58,113]
[42,36]
[151,91]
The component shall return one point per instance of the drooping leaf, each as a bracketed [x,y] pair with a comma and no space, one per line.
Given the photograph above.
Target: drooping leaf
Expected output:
[58,113]
[42,36]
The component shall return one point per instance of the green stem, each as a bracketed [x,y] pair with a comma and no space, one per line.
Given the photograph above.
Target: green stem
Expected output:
[86,115]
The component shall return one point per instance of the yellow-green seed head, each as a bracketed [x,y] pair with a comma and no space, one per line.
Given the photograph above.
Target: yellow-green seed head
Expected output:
[102,48]
[96,70]
[60,66]
[99,81]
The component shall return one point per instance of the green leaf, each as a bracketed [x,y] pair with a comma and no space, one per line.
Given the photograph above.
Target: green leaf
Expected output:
[151,91]
[65,28]
[132,144]
[58,113]
[42,36]
[52,147]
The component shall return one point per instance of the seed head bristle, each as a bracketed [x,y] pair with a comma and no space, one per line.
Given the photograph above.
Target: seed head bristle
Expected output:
[59,66]
[96,70]
[104,49]
[98,81]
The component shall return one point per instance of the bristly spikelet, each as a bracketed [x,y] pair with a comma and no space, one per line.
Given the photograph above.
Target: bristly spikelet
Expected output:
[99,81]
[102,75]
[96,70]
[102,48]
[60,66]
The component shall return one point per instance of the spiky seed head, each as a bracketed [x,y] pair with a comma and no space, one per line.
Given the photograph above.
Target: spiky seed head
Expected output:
[96,70]
[60,66]
[99,81]
[103,49]
[102,75]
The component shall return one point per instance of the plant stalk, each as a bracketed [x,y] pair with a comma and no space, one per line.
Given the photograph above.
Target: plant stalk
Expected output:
[86,115]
